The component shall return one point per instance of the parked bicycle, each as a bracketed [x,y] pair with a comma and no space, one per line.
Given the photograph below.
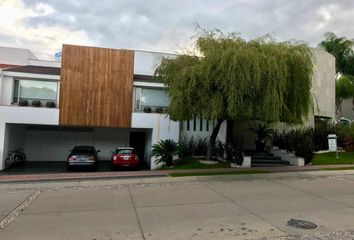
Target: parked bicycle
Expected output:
[15,157]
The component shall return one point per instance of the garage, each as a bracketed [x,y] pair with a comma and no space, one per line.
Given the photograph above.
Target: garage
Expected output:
[47,147]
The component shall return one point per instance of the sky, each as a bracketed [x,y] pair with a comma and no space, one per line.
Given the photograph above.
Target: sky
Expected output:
[164,25]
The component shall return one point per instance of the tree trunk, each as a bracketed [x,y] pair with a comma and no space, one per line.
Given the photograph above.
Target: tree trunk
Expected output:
[212,139]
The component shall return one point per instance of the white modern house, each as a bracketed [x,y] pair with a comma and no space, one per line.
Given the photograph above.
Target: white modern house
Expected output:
[105,98]
[100,97]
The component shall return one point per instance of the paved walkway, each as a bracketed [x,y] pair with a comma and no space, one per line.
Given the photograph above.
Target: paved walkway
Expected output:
[12,177]
[213,207]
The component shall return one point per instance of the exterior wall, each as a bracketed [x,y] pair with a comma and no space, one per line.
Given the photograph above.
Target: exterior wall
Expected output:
[145,63]
[184,133]
[161,125]
[323,85]
[347,109]
[15,56]
[96,87]
[54,145]
[6,90]
[22,115]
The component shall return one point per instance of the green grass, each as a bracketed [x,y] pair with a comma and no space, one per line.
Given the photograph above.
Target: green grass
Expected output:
[190,163]
[217,173]
[330,158]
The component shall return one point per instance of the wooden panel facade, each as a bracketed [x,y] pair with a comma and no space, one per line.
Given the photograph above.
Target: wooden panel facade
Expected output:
[96,87]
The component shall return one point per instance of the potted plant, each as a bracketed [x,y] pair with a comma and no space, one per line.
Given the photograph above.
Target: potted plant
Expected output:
[147,109]
[263,132]
[36,103]
[23,102]
[50,104]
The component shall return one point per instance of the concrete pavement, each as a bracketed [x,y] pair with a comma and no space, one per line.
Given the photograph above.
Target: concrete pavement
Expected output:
[214,207]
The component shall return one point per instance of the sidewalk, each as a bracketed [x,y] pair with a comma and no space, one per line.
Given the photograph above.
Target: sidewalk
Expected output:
[252,206]
[156,173]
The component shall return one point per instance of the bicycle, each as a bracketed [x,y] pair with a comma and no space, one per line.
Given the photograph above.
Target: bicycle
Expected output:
[15,157]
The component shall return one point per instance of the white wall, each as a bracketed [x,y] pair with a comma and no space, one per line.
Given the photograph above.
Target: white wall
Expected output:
[161,125]
[23,115]
[54,145]
[323,84]
[6,90]
[204,133]
[145,63]
[15,56]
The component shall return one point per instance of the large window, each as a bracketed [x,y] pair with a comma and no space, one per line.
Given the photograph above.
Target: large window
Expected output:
[151,99]
[44,91]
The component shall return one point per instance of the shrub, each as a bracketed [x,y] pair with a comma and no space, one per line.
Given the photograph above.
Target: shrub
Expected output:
[262,130]
[200,147]
[301,143]
[186,147]
[164,151]
[234,153]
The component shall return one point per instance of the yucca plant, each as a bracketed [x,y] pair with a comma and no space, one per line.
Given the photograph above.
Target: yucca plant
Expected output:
[164,151]
[263,132]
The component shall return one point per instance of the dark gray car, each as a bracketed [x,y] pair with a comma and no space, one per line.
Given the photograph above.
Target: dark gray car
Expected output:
[82,156]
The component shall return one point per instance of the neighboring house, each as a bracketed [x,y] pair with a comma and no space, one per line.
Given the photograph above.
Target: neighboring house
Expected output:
[105,98]
[102,97]
[348,109]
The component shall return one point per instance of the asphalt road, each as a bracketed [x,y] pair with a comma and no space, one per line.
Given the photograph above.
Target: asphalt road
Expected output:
[216,207]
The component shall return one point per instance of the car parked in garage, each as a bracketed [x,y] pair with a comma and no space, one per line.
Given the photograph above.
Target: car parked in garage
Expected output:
[125,157]
[82,156]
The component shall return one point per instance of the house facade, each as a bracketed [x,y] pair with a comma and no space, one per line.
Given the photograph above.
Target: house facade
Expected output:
[105,98]
[95,96]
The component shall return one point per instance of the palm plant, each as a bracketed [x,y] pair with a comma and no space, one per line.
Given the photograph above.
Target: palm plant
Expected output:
[263,131]
[164,151]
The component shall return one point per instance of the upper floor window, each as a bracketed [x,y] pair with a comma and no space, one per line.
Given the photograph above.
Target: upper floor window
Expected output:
[35,90]
[151,99]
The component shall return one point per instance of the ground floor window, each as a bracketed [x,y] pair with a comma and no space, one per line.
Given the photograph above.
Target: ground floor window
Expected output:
[35,90]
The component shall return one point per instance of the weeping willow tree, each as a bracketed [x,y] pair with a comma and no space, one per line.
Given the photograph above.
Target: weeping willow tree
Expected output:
[235,79]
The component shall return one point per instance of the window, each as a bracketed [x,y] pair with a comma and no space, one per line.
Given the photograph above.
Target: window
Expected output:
[194,124]
[151,97]
[30,90]
[188,125]
[201,125]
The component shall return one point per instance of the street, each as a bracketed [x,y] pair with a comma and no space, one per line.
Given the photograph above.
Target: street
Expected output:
[215,207]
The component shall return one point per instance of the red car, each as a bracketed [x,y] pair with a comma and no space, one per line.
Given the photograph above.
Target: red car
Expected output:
[125,157]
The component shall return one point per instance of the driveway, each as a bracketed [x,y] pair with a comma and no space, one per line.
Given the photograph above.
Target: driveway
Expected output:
[217,207]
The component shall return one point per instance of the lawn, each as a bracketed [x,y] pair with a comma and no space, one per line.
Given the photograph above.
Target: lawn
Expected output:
[330,158]
[217,173]
[190,163]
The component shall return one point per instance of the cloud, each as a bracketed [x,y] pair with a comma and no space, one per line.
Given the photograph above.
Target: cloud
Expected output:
[165,26]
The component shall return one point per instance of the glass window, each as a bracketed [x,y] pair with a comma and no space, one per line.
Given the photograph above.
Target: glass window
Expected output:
[188,125]
[35,90]
[201,125]
[194,124]
[150,97]
[124,151]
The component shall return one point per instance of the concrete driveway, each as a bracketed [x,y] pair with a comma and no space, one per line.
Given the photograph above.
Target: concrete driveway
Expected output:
[218,207]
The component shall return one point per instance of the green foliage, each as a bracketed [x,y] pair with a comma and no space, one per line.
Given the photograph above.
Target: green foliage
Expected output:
[261,129]
[164,151]
[193,146]
[341,49]
[344,87]
[298,141]
[237,79]
[301,143]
